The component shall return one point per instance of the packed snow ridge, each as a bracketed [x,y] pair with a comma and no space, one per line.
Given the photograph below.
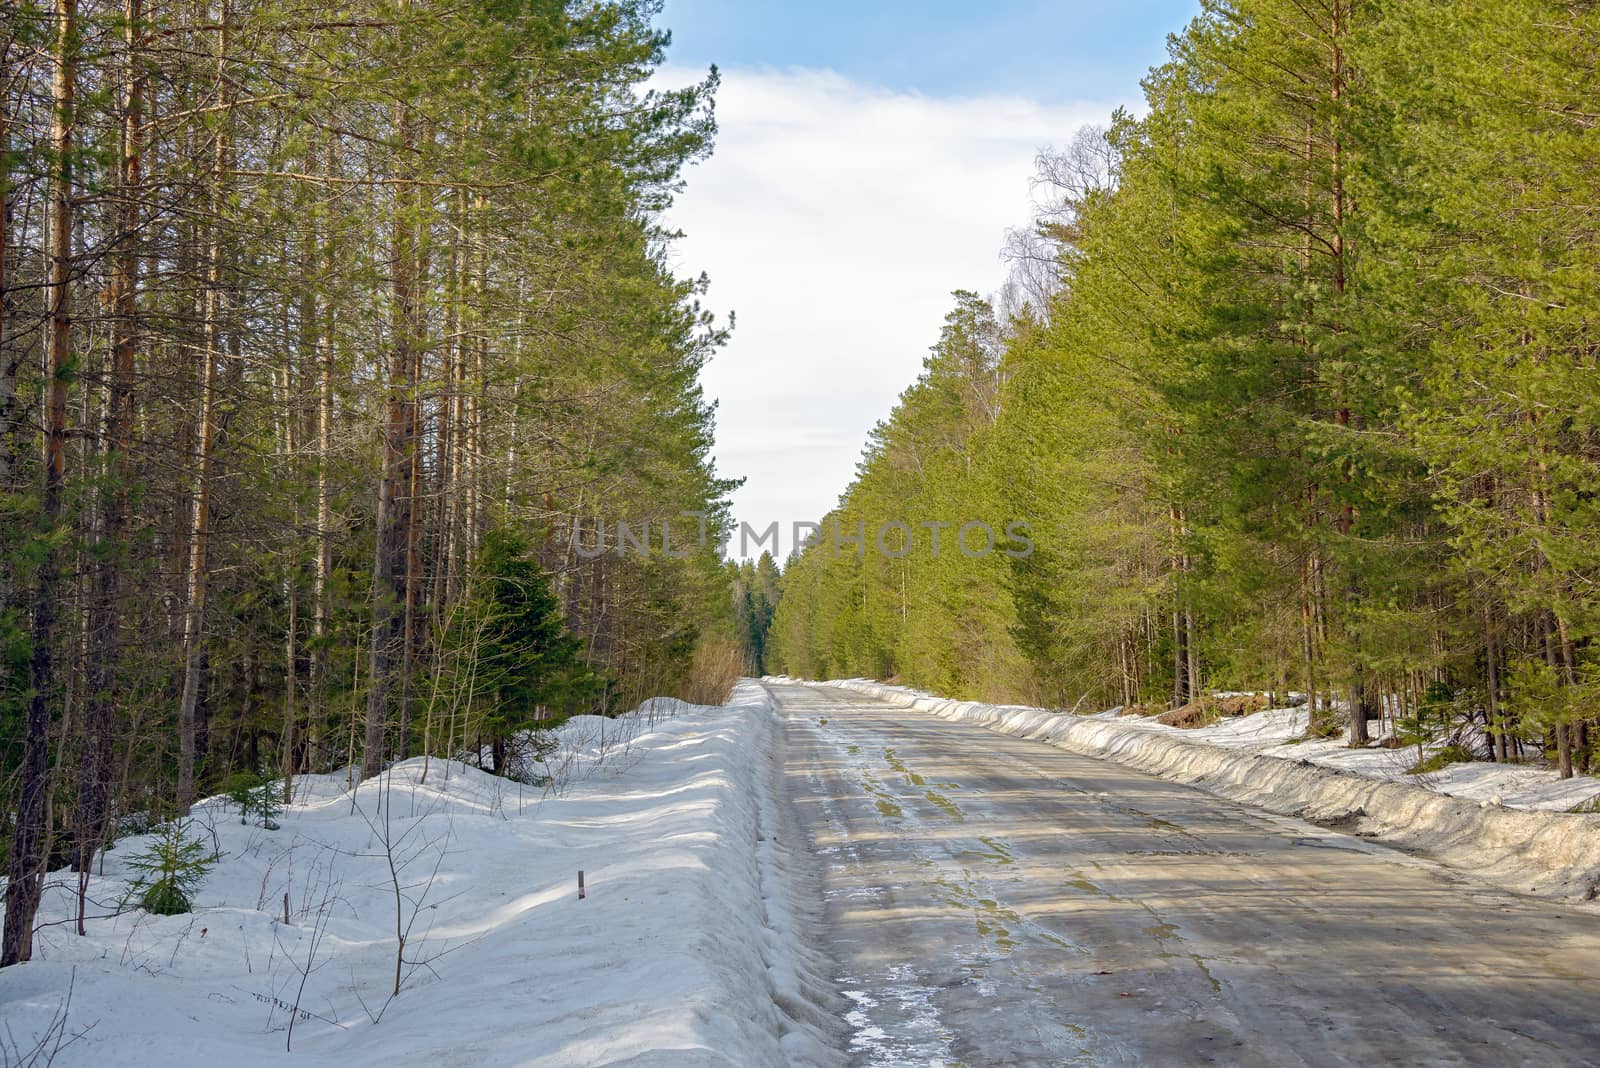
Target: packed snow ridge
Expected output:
[1505,824]
[687,948]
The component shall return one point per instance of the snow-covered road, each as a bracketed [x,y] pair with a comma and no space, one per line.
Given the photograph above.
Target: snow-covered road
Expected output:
[995,900]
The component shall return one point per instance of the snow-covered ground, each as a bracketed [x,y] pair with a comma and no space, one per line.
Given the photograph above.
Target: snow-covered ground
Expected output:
[1508,824]
[688,948]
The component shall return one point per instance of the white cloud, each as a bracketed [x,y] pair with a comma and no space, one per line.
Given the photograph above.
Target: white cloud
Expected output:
[834,219]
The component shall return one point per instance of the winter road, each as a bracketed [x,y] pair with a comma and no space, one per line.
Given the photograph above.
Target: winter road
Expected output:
[997,901]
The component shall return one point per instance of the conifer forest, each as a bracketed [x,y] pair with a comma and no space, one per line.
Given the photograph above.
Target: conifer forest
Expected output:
[310,311]
[1199,665]
[1296,384]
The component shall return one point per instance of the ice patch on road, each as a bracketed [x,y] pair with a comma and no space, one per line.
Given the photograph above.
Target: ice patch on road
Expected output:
[920,1039]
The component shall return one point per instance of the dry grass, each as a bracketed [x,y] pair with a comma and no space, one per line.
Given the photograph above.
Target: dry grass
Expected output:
[718,663]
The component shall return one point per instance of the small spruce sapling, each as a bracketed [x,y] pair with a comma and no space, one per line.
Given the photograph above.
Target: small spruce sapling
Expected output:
[169,872]
[253,793]
[1444,713]
[267,803]
[241,787]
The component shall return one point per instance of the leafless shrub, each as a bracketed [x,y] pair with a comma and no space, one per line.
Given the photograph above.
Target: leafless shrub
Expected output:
[414,848]
[320,914]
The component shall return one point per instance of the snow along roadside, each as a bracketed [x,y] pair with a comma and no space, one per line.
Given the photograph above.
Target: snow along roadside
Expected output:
[688,950]
[1550,854]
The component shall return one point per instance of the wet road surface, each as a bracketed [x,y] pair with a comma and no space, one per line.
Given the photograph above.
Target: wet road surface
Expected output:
[997,901]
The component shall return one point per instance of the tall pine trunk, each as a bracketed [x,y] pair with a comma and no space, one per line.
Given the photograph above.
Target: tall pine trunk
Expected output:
[205,441]
[94,778]
[10,361]
[291,583]
[25,880]
[391,560]
[322,569]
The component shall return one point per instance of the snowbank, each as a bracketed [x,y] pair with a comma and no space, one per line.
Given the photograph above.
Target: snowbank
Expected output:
[687,949]
[1531,850]
[1276,732]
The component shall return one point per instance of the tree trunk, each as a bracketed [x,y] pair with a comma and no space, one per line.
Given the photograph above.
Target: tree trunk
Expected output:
[442,432]
[25,880]
[1180,661]
[1566,666]
[413,570]
[390,581]
[1492,690]
[205,440]
[1186,646]
[477,399]
[322,571]
[1192,646]
[106,619]
[414,489]
[1359,704]
[291,637]
[1308,640]
[10,362]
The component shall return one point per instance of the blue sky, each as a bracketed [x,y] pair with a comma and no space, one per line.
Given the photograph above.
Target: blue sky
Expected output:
[870,159]
[1054,52]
